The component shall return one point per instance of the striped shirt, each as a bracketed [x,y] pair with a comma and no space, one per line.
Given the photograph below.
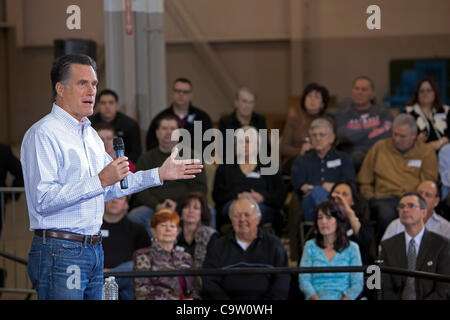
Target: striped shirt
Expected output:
[61,159]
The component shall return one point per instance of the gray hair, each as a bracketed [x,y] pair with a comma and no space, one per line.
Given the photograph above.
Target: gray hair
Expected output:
[243,89]
[320,122]
[254,203]
[406,119]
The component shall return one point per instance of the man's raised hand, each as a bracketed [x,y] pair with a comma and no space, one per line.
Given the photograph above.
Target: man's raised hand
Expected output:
[173,169]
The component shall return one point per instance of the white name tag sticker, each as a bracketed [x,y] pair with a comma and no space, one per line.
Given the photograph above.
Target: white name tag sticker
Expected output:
[415,163]
[254,175]
[105,233]
[191,118]
[334,163]
[349,232]
[441,116]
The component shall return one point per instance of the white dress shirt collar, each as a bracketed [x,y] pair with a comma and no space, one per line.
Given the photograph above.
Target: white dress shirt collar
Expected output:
[417,240]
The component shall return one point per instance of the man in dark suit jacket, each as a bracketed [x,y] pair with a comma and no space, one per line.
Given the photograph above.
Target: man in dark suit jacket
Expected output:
[433,254]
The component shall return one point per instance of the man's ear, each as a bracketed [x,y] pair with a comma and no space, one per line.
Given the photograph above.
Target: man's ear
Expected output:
[59,88]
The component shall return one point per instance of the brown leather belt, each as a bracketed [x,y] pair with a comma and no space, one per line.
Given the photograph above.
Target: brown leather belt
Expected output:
[69,236]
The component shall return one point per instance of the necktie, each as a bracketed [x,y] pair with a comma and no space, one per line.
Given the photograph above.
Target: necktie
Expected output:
[409,292]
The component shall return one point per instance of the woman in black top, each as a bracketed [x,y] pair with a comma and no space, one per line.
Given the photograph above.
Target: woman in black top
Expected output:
[195,233]
[358,228]
[248,179]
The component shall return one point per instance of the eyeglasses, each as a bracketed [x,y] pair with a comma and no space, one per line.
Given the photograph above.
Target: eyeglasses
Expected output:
[238,215]
[426,90]
[317,135]
[410,205]
[181,91]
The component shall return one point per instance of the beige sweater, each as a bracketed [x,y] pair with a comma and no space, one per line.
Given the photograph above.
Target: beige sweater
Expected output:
[386,172]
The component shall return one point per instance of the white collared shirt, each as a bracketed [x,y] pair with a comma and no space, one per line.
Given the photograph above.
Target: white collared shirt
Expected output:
[61,159]
[435,223]
[417,241]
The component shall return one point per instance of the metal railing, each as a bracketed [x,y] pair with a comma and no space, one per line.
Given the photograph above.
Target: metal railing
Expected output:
[285,270]
[15,239]
[16,225]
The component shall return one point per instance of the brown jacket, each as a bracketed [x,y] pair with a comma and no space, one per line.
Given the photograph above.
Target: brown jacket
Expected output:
[386,172]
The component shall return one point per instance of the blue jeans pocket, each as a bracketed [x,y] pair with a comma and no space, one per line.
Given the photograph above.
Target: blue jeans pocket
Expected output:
[34,267]
[68,249]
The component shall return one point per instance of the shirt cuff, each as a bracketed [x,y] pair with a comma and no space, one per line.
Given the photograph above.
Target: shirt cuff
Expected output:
[151,177]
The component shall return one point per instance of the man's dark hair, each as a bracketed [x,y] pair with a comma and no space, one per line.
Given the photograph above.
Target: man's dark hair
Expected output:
[105,92]
[104,126]
[315,87]
[61,68]
[165,116]
[183,80]
[422,202]
[333,209]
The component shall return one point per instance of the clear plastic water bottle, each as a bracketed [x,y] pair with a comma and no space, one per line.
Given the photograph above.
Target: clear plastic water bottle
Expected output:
[110,289]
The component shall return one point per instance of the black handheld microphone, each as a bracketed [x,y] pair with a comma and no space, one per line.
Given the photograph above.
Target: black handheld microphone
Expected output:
[119,151]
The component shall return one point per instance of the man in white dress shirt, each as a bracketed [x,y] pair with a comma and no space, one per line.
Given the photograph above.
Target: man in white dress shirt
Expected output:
[433,222]
[68,176]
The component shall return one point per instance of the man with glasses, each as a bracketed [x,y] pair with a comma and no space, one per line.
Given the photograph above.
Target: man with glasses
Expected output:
[314,173]
[246,246]
[415,249]
[432,221]
[394,166]
[186,113]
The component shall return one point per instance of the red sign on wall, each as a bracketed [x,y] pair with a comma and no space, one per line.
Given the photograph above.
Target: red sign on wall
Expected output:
[128,17]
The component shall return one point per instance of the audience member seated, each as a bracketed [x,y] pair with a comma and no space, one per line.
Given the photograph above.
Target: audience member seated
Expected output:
[184,112]
[246,246]
[148,201]
[163,255]
[358,228]
[330,248]
[243,115]
[8,163]
[444,173]
[107,133]
[295,139]
[245,179]
[195,232]
[125,127]
[120,239]
[362,123]
[430,114]
[394,166]
[432,221]
[415,249]
[314,173]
